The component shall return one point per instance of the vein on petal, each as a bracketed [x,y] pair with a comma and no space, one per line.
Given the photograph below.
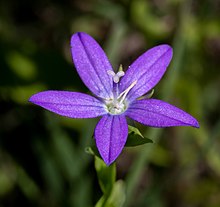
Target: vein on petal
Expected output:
[110,140]
[134,110]
[141,76]
[93,65]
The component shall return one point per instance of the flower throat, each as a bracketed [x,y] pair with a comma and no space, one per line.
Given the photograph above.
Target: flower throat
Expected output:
[118,104]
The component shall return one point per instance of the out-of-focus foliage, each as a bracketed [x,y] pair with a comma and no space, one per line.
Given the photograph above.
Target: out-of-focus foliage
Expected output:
[42,157]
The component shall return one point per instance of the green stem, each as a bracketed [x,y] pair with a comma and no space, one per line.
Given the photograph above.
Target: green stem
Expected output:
[106,177]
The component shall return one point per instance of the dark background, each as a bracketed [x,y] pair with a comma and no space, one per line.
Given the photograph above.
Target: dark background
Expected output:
[42,157]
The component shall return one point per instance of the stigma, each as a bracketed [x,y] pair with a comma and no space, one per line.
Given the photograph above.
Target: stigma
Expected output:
[116,77]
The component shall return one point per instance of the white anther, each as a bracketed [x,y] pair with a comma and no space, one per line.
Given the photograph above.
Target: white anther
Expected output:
[116,77]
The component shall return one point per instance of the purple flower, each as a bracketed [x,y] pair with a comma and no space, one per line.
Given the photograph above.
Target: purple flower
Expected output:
[115,99]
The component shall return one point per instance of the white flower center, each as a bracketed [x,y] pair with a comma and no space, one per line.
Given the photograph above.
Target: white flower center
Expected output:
[114,107]
[119,104]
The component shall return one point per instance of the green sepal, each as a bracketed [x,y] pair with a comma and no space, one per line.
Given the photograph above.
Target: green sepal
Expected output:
[135,137]
[147,95]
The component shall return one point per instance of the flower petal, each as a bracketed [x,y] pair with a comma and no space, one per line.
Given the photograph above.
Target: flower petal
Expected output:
[111,134]
[147,70]
[69,104]
[92,64]
[157,113]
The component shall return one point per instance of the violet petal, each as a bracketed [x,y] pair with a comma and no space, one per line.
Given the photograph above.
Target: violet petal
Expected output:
[111,134]
[69,104]
[92,64]
[157,113]
[147,70]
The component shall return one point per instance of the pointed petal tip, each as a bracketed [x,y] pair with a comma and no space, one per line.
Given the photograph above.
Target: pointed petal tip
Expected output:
[91,64]
[169,49]
[32,98]
[79,36]
[157,113]
[196,124]
[111,134]
[164,47]
[148,69]
[108,162]
[192,122]
[69,104]
[38,97]
[76,36]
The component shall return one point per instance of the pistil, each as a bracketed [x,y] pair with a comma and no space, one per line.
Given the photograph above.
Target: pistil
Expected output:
[116,77]
[118,105]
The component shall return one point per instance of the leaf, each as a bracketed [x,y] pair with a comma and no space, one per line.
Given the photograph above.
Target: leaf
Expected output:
[135,137]
[106,175]
[116,198]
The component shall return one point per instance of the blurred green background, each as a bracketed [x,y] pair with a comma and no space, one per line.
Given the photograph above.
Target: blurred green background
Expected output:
[42,156]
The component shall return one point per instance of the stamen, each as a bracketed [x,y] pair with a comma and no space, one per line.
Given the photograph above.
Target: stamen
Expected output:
[125,92]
